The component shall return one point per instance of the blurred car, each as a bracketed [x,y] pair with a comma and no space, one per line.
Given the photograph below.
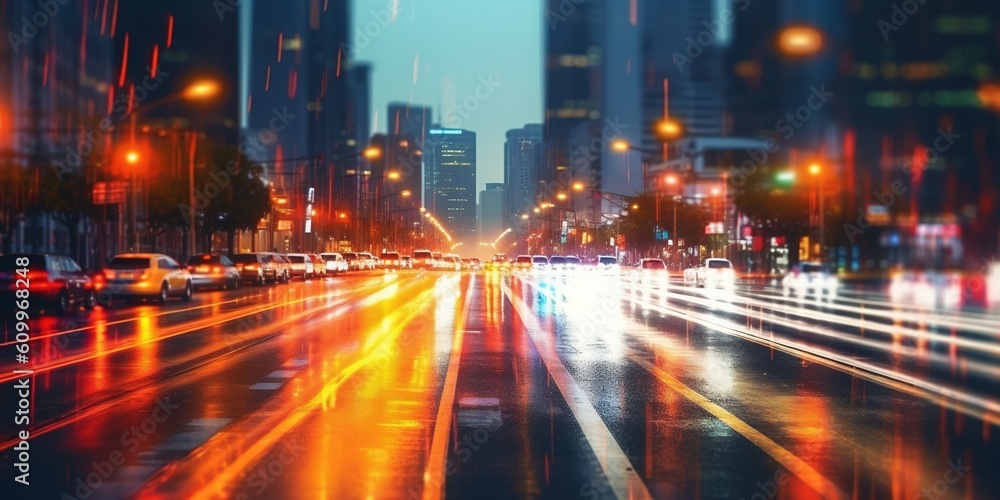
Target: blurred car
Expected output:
[539,262]
[389,260]
[256,268]
[50,279]
[423,259]
[319,265]
[353,262]
[301,265]
[652,271]
[717,273]
[809,278]
[523,262]
[451,262]
[572,263]
[406,262]
[993,284]
[608,264]
[475,264]
[147,276]
[557,263]
[438,260]
[213,271]
[367,260]
[283,266]
[499,261]
[334,262]
[926,289]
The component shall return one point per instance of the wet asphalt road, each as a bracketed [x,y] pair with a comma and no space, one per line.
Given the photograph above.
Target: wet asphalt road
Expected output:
[508,385]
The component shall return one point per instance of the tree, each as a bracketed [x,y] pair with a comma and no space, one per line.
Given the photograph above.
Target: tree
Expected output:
[775,209]
[15,197]
[67,198]
[241,198]
[166,194]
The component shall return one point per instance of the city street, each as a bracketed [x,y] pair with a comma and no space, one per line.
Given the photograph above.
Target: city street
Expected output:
[511,384]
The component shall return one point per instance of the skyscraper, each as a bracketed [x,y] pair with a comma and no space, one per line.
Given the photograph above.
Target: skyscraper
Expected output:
[409,120]
[449,160]
[491,215]
[524,166]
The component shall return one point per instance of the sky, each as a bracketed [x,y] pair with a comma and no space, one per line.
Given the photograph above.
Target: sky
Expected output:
[481,62]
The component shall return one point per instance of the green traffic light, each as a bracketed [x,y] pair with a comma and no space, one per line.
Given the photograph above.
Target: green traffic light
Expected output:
[785,177]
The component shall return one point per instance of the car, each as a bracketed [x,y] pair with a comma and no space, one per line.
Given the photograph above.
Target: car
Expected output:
[523,262]
[406,262]
[451,262]
[52,279]
[557,263]
[652,271]
[608,264]
[475,264]
[216,271]
[319,265]
[284,267]
[368,260]
[438,259]
[539,262]
[499,261]
[301,265]
[335,263]
[993,284]
[714,272]
[809,278]
[926,289]
[423,259]
[353,262]
[572,262]
[256,268]
[389,260]
[147,276]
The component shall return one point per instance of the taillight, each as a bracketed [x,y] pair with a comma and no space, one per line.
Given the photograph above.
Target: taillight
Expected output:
[250,267]
[216,269]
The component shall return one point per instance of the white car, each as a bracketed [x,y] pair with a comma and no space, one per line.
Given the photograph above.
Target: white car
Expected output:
[608,264]
[335,263]
[451,262]
[652,271]
[713,272]
[367,261]
[993,284]
[810,278]
[302,266]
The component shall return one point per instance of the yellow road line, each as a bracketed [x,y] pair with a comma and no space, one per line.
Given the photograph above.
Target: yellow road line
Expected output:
[624,481]
[215,489]
[435,469]
[816,480]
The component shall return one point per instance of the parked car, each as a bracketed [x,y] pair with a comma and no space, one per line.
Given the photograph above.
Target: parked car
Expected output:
[213,271]
[389,260]
[147,276]
[49,279]
[367,260]
[423,259]
[353,261]
[283,266]
[256,268]
[810,278]
[717,273]
[301,265]
[319,265]
[335,263]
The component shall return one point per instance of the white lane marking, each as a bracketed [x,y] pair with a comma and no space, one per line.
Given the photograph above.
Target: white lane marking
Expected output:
[282,374]
[624,481]
[295,363]
[266,386]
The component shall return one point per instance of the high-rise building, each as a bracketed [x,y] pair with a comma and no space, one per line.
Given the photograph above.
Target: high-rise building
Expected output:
[492,220]
[524,167]
[405,119]
[449,157]
[55,82]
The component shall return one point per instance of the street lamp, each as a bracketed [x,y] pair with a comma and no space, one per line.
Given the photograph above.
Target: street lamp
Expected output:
[800,41]
[816,170]
[668,129]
